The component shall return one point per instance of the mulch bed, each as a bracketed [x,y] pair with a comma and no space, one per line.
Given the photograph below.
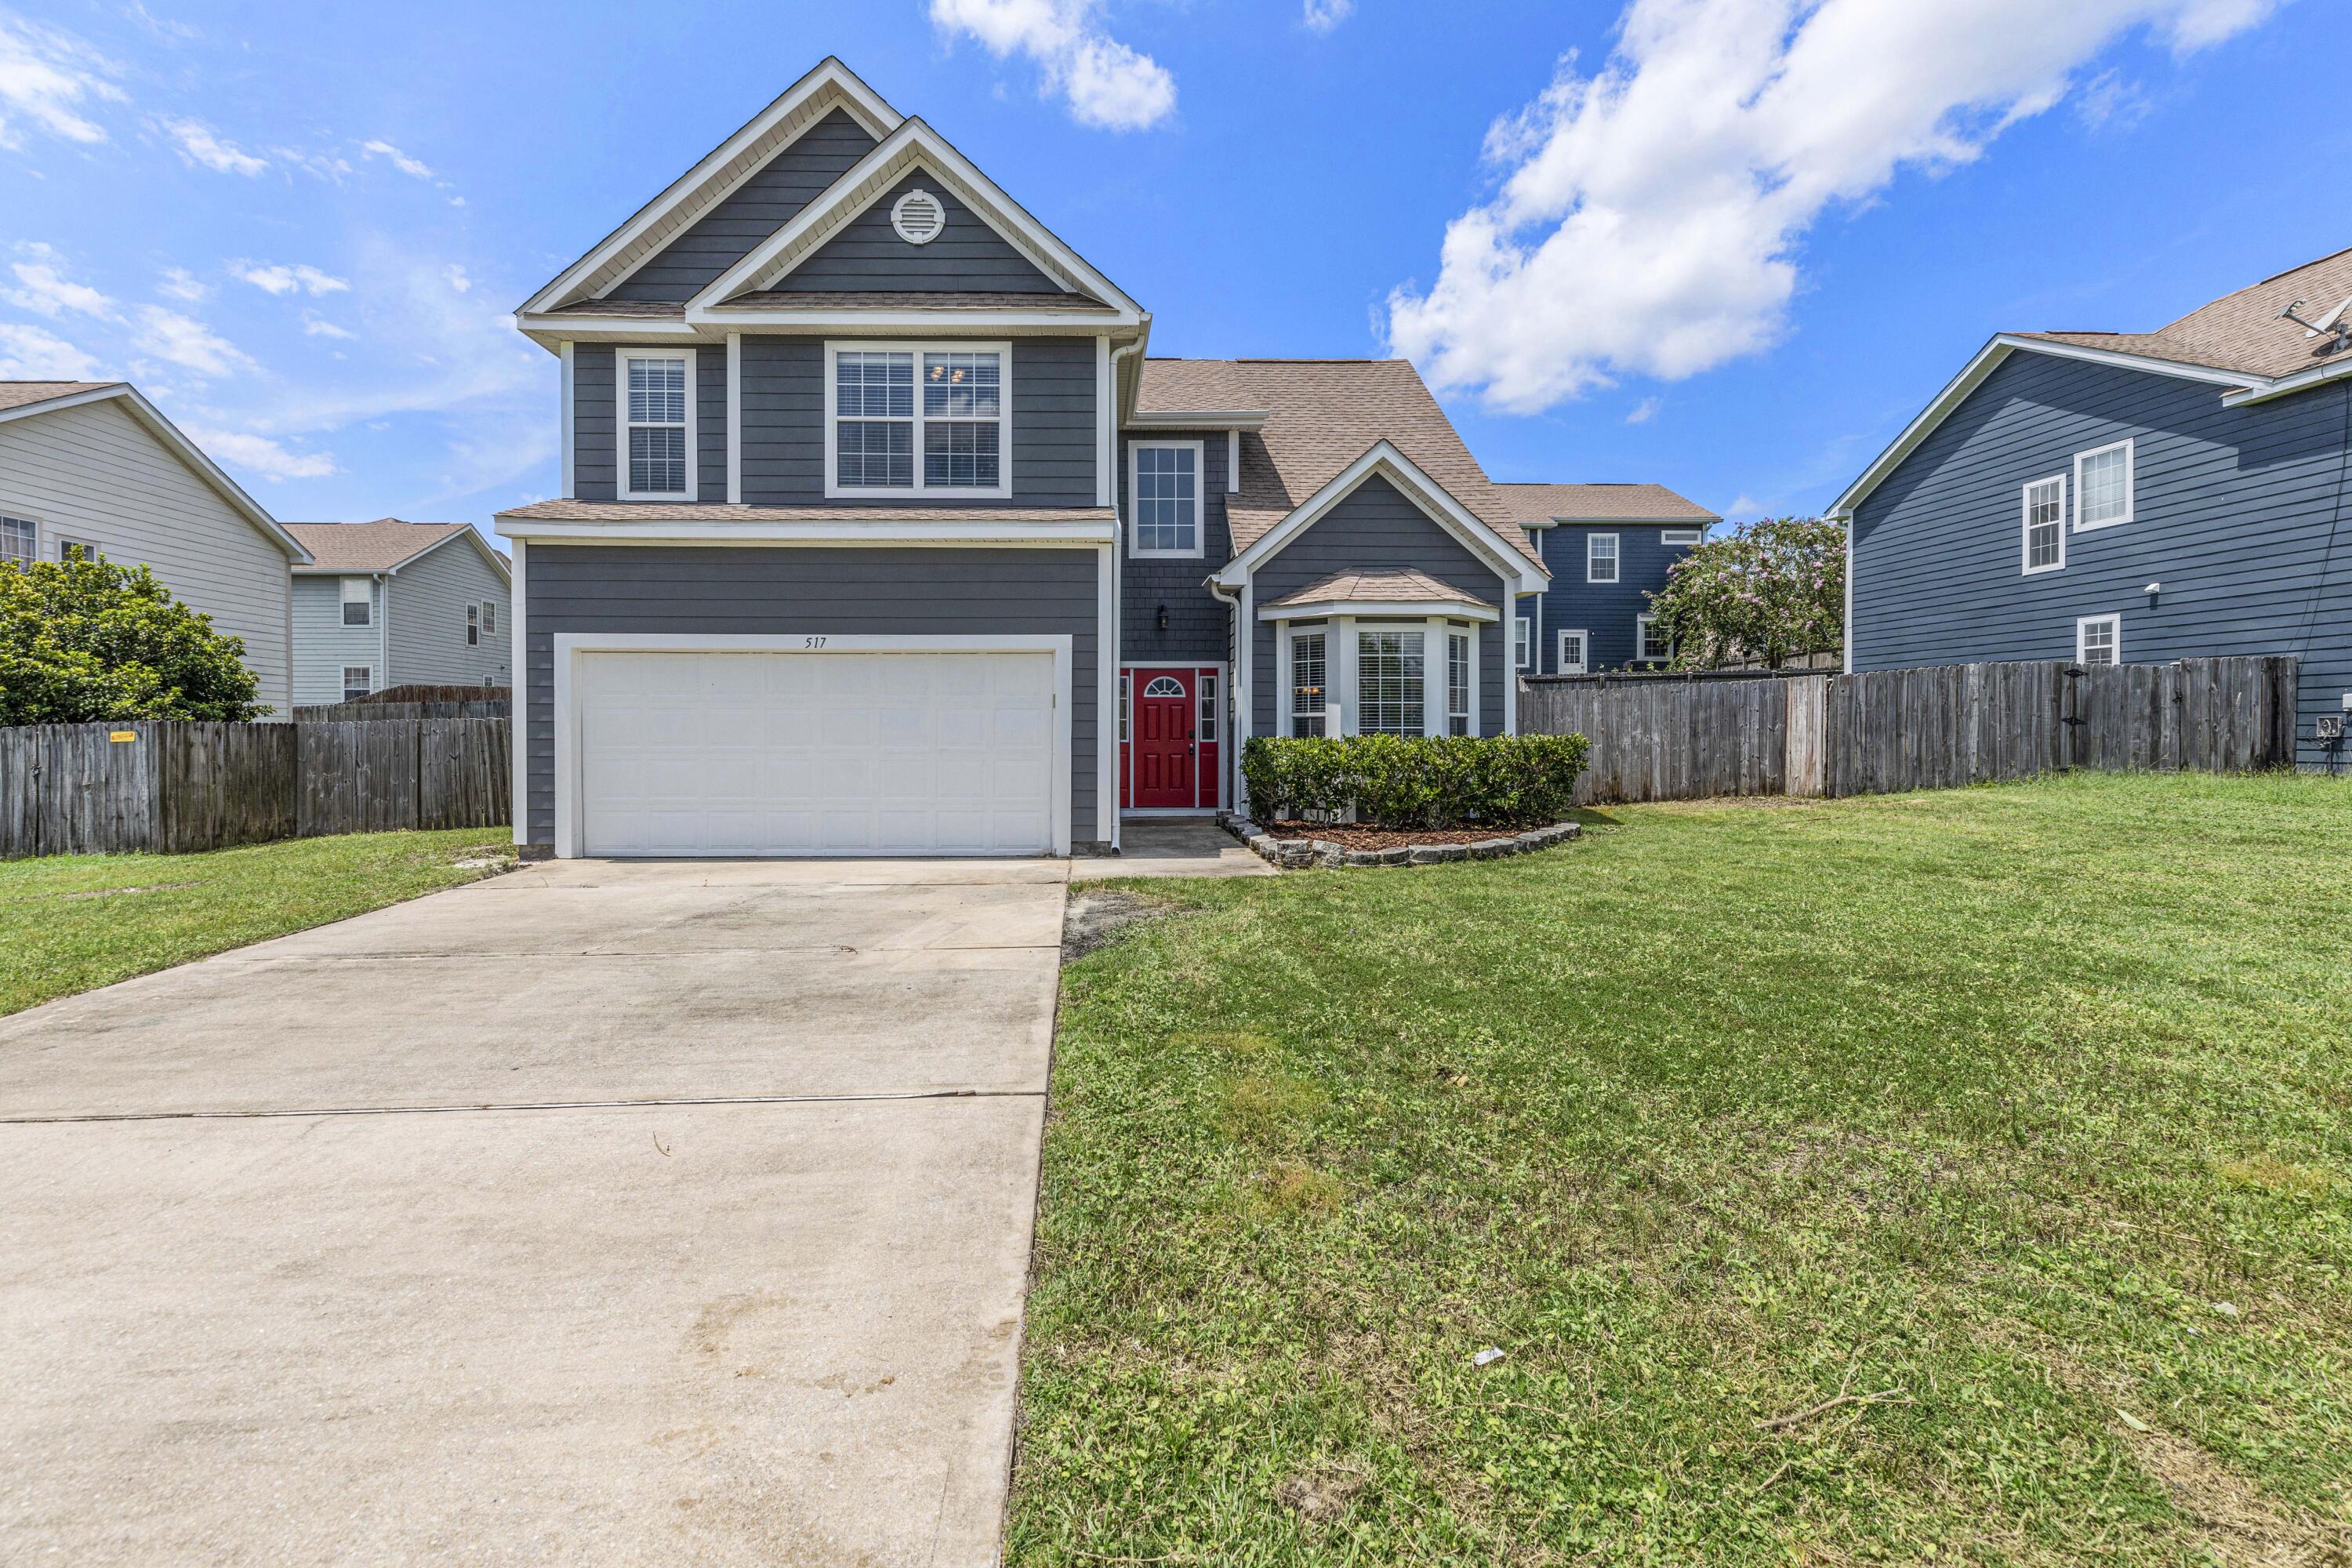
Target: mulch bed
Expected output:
[1349,836]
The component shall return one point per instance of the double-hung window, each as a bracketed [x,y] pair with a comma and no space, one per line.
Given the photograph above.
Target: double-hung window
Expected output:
[473,625]
[1457,683]
[918,420]
[1601,558]
[490,617]
[17,539]
[1308,689]
[1653,646]
[657,396]
[2103,486]
[359,602]
[1390,693]
[1165,482]
[2045,524]
[358,681]
[1523,641]
[2099,639]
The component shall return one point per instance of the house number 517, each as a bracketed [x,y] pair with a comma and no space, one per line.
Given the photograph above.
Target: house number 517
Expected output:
[813,642]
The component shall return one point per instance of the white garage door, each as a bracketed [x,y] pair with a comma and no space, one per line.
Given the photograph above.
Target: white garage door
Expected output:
[817,753]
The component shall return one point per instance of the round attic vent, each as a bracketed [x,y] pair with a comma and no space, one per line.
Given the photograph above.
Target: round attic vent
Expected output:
[918,217]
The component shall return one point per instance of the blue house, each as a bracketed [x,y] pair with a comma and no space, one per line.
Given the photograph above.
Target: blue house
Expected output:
[1608,548]
[2126,496]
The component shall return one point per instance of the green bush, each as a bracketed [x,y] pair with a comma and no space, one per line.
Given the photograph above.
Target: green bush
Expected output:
[88,641]
[1399,781]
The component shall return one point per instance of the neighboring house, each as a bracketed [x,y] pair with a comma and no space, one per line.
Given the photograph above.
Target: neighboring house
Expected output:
[390,602]
[93,466]
[1608,548]
[2115,496]
[880,533]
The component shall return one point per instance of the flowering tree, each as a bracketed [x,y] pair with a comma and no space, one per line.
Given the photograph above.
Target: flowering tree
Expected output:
[1771,592]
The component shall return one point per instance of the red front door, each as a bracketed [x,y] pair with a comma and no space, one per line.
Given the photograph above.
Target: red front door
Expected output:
[1163,738]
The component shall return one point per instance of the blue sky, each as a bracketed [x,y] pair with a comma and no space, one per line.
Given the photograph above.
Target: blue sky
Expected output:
[1731,245]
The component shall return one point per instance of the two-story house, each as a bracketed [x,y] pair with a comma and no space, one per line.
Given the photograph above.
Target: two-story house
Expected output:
[1609,547]
[880,533]
[2107,497]
[389,603]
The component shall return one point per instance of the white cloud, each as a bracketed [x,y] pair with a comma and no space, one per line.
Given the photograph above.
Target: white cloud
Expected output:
[46,290]
[400,160]
[1322,15]
[458,278]
[1651,215]
[2111,101]
[33,354]
[1104,82]
[188,342]
[282,281]
[182,284]
[264,456]
[1645,411]
[47,79]
[201,148]
[318,326]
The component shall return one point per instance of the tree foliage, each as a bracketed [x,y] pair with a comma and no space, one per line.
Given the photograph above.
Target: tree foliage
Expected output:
[89,641]
[1768,593]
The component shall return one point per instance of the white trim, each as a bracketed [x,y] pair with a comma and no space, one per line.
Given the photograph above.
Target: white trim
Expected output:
[565,417]
[883,531]
[571,829]
[853,321]
[1199,451]
[1284,662]
[519,695]
[1374,609]
[2131,485]
[1583,655]
[913,145]
[346,684]
[2025,526]
[2287,386]
[835,83]
[1442,634]
[2083,624]
[1521,575]
[1000,490]
[1106,672]
[1681,538]
[622,426]
[1105,426]
[898,216]
[1616,559]
[1511,688]
[1845,520]
[1526,662]
[1197,419]
[1233,462]
[1220,671]
[1642,622]
[734,419]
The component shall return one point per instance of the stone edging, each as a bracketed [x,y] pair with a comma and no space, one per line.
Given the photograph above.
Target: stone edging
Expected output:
[1296,854]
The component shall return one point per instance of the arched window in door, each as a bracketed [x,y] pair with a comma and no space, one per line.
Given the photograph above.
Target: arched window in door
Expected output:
[1165,686]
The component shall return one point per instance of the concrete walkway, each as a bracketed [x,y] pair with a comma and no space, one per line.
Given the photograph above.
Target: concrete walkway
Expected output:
[658,1213]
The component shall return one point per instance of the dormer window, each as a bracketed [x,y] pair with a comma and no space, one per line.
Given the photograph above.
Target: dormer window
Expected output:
[657,395]
[892,404]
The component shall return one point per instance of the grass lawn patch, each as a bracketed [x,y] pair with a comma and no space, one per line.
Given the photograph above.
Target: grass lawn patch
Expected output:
[1954,1177]
[70,922]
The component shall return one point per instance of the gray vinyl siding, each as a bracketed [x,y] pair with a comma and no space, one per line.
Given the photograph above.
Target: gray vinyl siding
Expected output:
[1605,611]
[790,592]
[1376,525]
[2234,514]
[94,473]
[868,254]
[754,210]
[709,423]
[1198,624]
[594,432]
[323,645]
[426,626]
[784,434]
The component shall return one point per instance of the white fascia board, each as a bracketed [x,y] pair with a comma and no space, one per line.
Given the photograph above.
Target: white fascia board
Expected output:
[2288,385]
[1061,324]
[1707,521]
[551,330]
[1199,419]
[1989,359]
[151,418]
[1377,609]
[831,77]
[1521,574]
[1047,535]
[911,144]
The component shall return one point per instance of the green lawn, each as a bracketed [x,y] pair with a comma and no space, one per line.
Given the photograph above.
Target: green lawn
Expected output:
[2020,1116]
[73,921]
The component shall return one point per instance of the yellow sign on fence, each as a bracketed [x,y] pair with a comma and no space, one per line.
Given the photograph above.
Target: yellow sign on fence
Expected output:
[119,736]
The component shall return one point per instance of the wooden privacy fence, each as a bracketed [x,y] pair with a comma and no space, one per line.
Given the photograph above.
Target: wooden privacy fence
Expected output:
[376,712]
[171,788]
[1663,738]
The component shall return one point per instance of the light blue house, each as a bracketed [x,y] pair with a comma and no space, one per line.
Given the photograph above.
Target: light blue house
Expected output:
[2145,497]
[388,604]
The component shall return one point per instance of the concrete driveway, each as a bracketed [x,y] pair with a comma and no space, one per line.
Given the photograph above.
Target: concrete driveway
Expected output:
[655,1213]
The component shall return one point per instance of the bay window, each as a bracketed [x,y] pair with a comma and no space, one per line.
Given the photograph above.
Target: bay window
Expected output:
[1391,695]
[1307,693]
[1457,683]
[910,419]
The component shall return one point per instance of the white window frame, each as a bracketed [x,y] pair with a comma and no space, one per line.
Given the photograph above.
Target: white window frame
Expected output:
[1126,695]
[366,586]
[1003,349]
[1616,558]
[473,625]
[1679,536]
[2131,485]
[1583,651]
[1206,683]
[1200,500]
[367,671]
[490,617]
[1641,625]
[1432,712]
[1523,641]
[2083,626]
[32,538]
[622,355]
[90,548]
[2025,526]
[1468,712]
[1287,712]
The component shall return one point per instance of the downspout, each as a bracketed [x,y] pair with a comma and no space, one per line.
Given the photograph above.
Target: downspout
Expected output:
[1116,631]
[1238,690]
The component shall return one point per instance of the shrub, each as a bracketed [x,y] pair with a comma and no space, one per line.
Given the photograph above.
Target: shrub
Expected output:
[85,641]
[1400,781]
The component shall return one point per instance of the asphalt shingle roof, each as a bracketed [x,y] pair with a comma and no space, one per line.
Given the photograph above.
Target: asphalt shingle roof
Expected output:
[2240,333]
[19,394]
[377,546]
[1601,503]
[1378,585]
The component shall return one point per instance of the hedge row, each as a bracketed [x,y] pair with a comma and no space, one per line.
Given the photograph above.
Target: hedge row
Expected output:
[1398,781]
